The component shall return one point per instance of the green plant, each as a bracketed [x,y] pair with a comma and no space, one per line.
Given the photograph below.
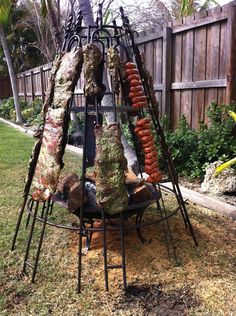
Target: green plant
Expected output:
[7,109]
[31,112]
[193,149]
[183,142]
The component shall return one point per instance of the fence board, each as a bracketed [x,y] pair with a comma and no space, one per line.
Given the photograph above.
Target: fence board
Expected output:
[5,88]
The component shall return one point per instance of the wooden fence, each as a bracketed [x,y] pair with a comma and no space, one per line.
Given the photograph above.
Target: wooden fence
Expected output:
[192,61]
[5,88]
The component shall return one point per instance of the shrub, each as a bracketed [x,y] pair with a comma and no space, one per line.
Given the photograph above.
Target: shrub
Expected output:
[193,149]
[31,112]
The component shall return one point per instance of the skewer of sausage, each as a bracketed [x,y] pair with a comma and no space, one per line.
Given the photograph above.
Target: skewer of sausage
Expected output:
[136,95]
[144,133]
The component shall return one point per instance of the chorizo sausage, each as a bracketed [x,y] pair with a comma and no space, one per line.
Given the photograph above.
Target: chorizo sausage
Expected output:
[148,149]
[136,88]
[130,65]
[145,132]
[139,99]
[139,105]
[146,139]
[135,82]
[136,94]
[133,77]
[150,155]
[149,144]
[132,71]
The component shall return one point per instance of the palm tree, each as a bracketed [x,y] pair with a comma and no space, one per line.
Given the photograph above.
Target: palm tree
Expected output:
[181,8]
[5,11]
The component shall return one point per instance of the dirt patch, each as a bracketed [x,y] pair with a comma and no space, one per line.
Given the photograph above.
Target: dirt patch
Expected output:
[152,300]
[159,286]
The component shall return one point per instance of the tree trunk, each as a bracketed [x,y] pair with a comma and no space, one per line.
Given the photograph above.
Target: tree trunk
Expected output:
[56,32]
[12,75]
[86,9]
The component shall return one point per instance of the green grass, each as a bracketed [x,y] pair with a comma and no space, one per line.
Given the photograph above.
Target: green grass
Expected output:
[205,279]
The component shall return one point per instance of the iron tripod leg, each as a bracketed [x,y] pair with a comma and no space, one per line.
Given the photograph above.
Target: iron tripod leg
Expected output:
[30,237]
[30,206]
[138,221]
[190,227]
[122,247]
[41,239]
[80,261]
[169,234]
[122,250]
[105,250]
[18,223]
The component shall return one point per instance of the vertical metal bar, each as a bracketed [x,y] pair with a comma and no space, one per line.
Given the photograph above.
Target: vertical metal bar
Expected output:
[51,208]
[82,196]
[80,261]
[122,244]
[163,224]
[184,213]
[168,228]
[19,222]
[40,240]
[104,250]
[30,236]
[28,216]
[43,209]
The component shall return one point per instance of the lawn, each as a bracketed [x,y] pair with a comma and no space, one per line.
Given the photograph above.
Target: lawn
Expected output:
[204,283]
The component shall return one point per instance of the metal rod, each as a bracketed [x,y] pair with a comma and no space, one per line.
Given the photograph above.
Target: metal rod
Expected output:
[115,266]
[30,237]
[168,227]
[122,246]
[41,239]
[163,222]
[79,263]
[105,250]
[82,196]
[19,222]
[28,216]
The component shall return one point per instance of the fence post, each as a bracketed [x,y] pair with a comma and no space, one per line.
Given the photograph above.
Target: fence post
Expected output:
[42,84]
[231,67]
[32,84]
[166,70]
[24,87]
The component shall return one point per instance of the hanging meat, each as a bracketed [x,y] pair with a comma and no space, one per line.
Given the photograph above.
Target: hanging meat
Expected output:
[146,137]
[136,94]
[92,60]
[110,164]
[113,65]
[49,162]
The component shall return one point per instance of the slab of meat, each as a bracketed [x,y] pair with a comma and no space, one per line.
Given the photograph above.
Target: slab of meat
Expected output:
[48,166]
[114,64]
[66,70]
[110,165]
[92,60]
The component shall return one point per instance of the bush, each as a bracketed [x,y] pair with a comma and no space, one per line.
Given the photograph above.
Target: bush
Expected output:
[7,109]
[31,112]
[192,150]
